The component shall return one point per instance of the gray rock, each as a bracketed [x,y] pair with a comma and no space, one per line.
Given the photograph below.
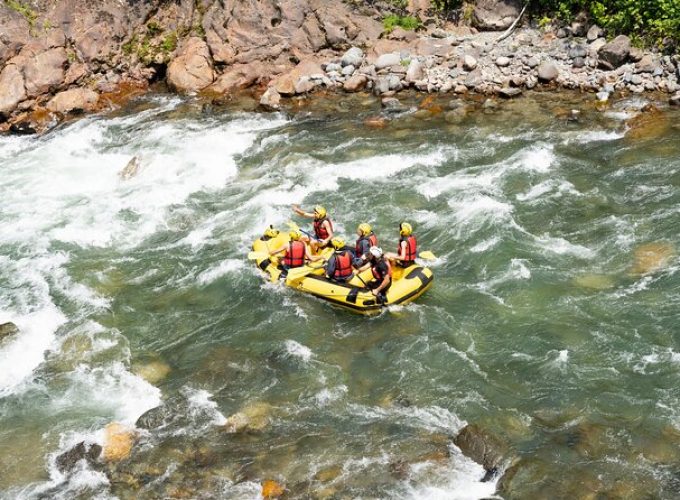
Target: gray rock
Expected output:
[415,71]
[387,60]
[469,62]
[608,87]
[502,61]
[647,64]
[531,82]
[595,47]
[89,452]
[348,70]
[594,33]
[547,71]
[391,103]
[636,54]
[562,33]
[578,51]
[509,92]
[394,82]
[533,61]
[333,67]
[614,54]
[304,85]
[495,14]
[8,330]
[636,79]
[675,100]
[578,28]
[352,57]
[356,83]
[381,85]
[579,62]
[474,79]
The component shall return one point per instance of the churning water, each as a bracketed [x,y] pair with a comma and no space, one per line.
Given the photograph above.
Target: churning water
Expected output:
[552,321]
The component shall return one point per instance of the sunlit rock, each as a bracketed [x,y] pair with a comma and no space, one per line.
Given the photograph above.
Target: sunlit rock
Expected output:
[252,417]
[650,123]
[328,474]
[8,330]
[482,447]
[130,170]
[118,442]
[651,257]
[594,281]
[153,372]
[272,489]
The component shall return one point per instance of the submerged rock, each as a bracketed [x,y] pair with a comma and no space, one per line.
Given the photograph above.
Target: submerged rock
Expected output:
[118,442]
[482,447]
[651,257]
[130,170]
[650,123]
[68,460]
[8,330]
[252,417]
[153,372]
[594,281]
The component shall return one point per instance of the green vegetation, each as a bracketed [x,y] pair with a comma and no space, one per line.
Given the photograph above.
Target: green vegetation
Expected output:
[406,22]
[649,20]
[169,43]
[153,28]
[23,9]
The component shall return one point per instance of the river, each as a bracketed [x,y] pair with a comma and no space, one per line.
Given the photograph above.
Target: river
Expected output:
[552,321]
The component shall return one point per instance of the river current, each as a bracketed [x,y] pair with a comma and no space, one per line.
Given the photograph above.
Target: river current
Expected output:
[552,321]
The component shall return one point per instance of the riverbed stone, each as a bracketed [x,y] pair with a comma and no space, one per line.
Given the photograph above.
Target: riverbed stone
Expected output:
[502,61]
[348,70]
[482,447]
[647,64]
[355,83]
[78,99]
[469,62]
[272,489]
[415,71]
[509,92]
[533,61]
[614,54]
[594,33]
[89,452]
[154,371]
[675,100]
[387,60]
[118,442]
[650,123]
[8,330]
[353,57]
[651,257]
[547,71]
[271,99]
[253,416]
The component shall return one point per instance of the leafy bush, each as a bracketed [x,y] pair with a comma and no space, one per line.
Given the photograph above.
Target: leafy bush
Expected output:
[406,22]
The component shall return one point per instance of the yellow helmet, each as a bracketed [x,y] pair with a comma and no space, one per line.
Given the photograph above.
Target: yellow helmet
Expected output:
[320,211]
[364,229]
[270,232]
[295,235]
[338,243]
[405,229]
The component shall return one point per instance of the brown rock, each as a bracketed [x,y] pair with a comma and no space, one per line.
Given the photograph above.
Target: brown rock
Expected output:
[192,70]
[650,123]
[44,71]
[480,446]
[153,371]
[8,330]
[118,442]
[238,77]
[73,100]
[285,84]
[614,54]
[375,122]
[356,83]
[271,99]
[75,72]
[252,417]
[651,257]
[12,90]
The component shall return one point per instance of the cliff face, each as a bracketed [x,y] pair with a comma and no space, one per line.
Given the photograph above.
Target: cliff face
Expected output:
[48,46]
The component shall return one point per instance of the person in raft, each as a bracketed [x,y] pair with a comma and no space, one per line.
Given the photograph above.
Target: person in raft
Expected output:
[295,253]
[339,265]
[366,240]
[323,227]
[382,273]
[407,250]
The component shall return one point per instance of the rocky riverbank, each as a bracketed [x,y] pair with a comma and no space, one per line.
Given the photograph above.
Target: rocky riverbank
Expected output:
[63,58]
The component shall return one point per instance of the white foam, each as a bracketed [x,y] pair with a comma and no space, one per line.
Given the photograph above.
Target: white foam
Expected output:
[298,350]
[595,136]
[326,396]
[563,247]
[21,355]
[227,266]
[485,245]
[200,404]
[478,211]
[539,158]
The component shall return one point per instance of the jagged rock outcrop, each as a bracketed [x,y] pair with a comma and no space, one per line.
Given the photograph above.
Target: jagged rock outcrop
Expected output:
[193,69]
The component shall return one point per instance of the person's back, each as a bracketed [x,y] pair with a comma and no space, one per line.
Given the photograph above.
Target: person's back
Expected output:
[294,255]
[407,251]
[339,266]
[366,240]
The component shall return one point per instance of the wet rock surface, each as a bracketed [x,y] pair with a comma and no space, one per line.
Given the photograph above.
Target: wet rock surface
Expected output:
[8,330]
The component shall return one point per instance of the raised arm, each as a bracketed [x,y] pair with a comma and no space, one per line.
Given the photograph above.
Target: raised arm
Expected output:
[299,211]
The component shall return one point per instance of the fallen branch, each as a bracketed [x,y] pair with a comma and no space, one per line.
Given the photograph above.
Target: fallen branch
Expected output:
[507,32]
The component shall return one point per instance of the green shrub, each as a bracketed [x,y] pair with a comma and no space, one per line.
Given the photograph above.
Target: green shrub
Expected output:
[406,22]
[24,10]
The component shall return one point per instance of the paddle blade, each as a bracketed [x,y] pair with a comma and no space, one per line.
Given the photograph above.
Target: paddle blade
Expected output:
[257,255]
[427,255]
[297,273]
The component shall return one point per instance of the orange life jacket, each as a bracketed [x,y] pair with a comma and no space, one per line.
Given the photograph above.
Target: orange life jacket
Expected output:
[343,265]
[320,230]
[411,248]
[295,254]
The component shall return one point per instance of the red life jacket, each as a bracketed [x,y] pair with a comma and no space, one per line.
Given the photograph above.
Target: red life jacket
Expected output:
[381,269]
[320,230]
[372,242]
[411,248]
[295,254]
[343,265]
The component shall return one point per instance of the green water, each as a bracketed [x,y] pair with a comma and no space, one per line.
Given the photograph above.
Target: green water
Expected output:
[552,322]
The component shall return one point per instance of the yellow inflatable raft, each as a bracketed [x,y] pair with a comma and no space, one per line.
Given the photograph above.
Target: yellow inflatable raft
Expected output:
[407,283]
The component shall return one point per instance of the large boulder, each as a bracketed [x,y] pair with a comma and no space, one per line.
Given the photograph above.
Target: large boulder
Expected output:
[482,447]
[68,460]
[7,330]
[286,83]
[495,14]
[615,53]
[12,90]
[73,100]
[44,71]
[238,77]
[353,57]
[118,442]
[547,71]
[387,60]
[193,69]
[356,83]
[415,71]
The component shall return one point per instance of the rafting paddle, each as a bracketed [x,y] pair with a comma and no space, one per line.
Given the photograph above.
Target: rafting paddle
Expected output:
[427,255]
[257,255]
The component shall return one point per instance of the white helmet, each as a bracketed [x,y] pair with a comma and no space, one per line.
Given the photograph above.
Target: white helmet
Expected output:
[376,252]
